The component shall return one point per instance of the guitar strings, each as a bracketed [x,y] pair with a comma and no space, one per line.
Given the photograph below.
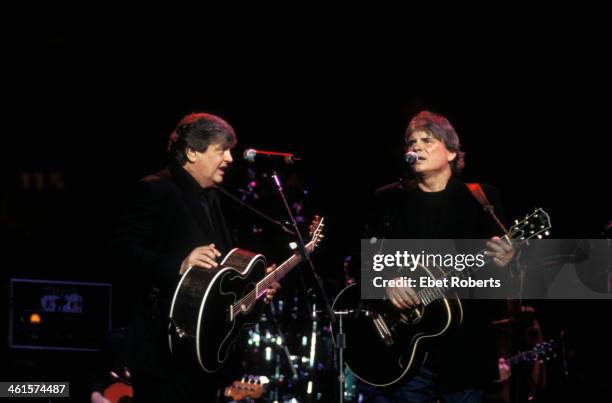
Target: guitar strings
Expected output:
[428,295]
[265,283]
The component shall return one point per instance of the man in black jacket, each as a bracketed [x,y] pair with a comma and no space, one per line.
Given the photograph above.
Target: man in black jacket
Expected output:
[172,222]
[438,205]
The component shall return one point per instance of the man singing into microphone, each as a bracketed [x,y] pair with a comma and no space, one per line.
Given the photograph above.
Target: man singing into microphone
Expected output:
[172,222]
[436,204]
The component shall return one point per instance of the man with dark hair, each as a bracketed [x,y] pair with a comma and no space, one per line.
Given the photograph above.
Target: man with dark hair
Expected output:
[436,204]
[173,222]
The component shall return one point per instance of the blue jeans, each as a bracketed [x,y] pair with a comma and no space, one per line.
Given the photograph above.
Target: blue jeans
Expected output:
[421,388]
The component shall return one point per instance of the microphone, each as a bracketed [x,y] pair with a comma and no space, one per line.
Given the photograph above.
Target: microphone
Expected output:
[411,157]
[251,154]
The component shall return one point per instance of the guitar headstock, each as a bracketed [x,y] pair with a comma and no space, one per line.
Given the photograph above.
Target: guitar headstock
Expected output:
[542,351]
[251,388]
[315,229]
[534,225]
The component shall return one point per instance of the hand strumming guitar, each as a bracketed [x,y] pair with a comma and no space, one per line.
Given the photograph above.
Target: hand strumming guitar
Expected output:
[402,297]
[205,257]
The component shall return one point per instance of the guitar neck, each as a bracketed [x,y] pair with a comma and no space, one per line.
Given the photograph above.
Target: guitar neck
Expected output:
[430,294]
[519,358]
[540,351]
[280,271]
[532,226]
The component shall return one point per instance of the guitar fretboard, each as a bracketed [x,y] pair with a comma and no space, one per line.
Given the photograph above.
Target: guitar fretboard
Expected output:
[266,283]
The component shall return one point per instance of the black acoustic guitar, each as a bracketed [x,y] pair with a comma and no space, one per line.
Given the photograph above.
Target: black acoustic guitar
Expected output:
[210,307]
[385,345]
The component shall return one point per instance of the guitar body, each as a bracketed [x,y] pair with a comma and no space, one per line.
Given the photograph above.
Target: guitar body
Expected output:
[203,317]
[382,361]
[119,393]
[384,345]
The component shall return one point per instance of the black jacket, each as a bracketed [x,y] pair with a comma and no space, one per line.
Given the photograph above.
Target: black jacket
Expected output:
[166,216]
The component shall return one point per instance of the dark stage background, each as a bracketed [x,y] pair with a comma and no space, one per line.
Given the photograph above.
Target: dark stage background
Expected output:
[88,112]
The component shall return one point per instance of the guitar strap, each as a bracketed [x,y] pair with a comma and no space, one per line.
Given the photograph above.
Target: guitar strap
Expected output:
[480,195]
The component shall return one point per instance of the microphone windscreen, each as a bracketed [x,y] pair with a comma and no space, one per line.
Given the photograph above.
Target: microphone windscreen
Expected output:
[411,157]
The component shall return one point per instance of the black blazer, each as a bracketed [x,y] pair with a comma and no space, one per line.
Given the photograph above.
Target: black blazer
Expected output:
[164,219]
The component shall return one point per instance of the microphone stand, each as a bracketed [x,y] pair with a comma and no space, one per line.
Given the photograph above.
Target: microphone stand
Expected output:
[340,346]
[254,210]
[302,248]
[341,339]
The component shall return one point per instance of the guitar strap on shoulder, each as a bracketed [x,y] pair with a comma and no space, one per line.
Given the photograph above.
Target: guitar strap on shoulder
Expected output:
[480,195]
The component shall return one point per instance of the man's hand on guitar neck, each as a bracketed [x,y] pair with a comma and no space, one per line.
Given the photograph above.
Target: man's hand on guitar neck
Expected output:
[275,286]
[402,297]
[502,251]
[202,256]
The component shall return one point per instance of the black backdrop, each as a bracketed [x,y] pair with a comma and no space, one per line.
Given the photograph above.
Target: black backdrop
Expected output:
[88,111]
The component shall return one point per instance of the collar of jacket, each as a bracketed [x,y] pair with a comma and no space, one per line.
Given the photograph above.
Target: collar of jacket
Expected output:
[187,182]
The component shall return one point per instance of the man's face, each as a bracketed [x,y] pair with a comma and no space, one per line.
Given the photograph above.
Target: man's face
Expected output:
[208,167]
[433,154]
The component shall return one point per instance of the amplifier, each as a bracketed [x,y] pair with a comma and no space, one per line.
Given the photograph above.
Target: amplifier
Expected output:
[58,315]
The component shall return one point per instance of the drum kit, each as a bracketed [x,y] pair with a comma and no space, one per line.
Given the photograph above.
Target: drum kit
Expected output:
[291,352]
